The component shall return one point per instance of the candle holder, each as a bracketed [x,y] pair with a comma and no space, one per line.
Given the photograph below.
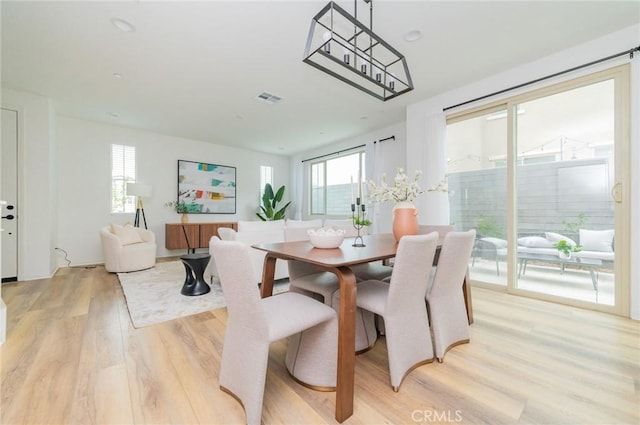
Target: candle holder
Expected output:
[357,216]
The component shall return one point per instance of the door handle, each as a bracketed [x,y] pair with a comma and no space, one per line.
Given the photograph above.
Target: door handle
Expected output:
[8,217]
[616,192]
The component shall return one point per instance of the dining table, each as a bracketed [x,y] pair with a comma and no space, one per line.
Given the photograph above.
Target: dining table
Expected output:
[339,261]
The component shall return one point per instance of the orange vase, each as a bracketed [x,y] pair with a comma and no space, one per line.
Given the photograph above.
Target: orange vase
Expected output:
[405,220]
[184,219]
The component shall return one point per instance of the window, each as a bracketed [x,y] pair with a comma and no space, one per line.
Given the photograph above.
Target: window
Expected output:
[123,171]
[332,184]
[266,176]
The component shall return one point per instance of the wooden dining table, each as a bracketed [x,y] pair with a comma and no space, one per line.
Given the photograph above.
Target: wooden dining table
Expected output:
[338,261]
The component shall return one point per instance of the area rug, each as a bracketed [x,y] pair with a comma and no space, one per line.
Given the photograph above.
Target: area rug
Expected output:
[153,295]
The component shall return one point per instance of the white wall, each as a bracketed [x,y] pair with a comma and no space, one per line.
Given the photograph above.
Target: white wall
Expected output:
[421,152]
[36,211]
[84,177]
[392,151]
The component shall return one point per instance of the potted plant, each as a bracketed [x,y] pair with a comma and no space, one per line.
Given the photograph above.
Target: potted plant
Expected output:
[565,249]
[403,191]
[181,208]
[269,209]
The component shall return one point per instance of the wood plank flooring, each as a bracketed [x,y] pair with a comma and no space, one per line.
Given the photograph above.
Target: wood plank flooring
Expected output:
[72,357]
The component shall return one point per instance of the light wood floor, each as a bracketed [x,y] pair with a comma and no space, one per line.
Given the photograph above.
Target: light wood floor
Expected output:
[72,357]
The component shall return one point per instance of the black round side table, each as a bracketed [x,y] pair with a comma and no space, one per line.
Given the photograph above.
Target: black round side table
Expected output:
[195,265]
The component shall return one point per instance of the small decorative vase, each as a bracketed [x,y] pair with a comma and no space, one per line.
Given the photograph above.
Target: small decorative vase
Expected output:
[184,218]
[564,256]
[405,220]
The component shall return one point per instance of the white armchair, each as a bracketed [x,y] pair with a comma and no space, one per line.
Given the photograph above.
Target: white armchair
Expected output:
[127,249]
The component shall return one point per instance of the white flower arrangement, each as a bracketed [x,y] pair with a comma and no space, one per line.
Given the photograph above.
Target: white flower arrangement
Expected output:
[403,189]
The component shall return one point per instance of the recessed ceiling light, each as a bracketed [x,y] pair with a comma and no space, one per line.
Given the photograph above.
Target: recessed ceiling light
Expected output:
[413,35]
[123,25]
[117,76]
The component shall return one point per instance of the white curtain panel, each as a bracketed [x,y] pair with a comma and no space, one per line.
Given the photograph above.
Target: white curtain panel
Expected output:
[435,208]
[372,170]
[383,158]
[298,187]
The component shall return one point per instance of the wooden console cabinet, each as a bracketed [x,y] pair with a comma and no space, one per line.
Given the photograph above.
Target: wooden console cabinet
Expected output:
[199,234]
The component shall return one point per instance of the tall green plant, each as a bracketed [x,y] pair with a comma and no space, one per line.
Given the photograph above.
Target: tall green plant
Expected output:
[487,226]
[269,210]
[574,227]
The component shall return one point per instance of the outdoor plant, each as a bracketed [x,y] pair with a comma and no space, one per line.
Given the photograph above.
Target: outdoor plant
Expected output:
[269,209]
[564,247]
[487,226]
[573,227]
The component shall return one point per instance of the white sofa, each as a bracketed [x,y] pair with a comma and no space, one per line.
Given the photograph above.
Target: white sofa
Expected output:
[127,248]
[595,245]
[257,232]
[597,251]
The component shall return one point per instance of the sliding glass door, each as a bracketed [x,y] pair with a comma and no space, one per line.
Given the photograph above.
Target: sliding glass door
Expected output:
[565,170]
[541,178]
[477,177]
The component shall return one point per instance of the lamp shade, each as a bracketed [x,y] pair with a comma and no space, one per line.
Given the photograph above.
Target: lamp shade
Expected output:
[139,189]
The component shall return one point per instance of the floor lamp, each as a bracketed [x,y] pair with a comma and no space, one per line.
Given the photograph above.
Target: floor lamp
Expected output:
[140,191]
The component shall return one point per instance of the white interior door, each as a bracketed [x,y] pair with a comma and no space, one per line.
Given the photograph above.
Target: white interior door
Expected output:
[9,193]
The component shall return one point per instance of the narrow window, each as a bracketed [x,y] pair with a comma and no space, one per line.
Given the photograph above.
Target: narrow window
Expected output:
[266,176]
[123,171]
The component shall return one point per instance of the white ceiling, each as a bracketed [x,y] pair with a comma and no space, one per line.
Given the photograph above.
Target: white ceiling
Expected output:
[193,69]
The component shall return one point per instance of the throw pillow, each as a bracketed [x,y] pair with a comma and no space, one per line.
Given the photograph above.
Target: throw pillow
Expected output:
[597,240]
[535,242]
[128,235]
[497,242]
[557,237]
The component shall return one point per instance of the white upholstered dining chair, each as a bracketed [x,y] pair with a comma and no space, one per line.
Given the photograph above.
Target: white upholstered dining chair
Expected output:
[445,298]
[253,323]
[312,281]
[401,304]
[442,229]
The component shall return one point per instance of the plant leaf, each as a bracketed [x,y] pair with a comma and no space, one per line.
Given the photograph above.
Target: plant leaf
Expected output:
[268,191]
[279,194]
[281,212]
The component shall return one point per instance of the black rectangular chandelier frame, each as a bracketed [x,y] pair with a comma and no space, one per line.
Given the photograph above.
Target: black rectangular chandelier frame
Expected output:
[374,76]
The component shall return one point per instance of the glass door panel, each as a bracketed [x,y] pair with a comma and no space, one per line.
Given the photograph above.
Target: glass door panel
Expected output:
[477,177]
[565,214]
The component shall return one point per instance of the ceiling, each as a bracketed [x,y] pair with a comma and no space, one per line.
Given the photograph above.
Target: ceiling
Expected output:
[194,69]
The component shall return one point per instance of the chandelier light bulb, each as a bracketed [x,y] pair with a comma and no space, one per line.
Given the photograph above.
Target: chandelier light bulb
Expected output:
[327,46]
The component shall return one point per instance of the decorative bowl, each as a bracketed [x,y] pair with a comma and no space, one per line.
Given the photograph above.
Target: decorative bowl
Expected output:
[326,238]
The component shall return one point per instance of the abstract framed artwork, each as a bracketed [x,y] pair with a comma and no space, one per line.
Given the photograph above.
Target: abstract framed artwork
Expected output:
[206,188]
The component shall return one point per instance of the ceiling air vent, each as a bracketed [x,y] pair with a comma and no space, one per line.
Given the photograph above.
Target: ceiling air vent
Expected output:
[268,97]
